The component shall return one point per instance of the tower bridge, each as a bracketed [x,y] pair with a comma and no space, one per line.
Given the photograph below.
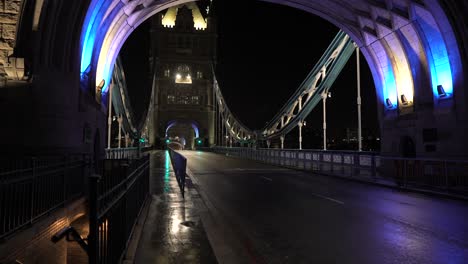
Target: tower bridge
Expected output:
[62,84]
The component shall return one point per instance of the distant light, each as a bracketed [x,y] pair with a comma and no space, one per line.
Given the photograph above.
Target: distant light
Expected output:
[188,76]
[168,141]
[178,76]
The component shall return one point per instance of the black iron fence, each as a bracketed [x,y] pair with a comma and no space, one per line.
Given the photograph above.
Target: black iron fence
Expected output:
[34,186]
[117,196]
[179,164]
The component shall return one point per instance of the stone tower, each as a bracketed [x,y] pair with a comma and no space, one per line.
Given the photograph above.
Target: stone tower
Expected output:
[183,51]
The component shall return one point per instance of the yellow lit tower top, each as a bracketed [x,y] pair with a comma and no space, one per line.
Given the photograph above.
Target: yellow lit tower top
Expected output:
[199,22]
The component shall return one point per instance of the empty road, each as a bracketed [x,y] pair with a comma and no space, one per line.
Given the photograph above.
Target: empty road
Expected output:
[280,215]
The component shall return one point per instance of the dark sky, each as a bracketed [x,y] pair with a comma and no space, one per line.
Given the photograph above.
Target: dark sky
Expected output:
[265,51]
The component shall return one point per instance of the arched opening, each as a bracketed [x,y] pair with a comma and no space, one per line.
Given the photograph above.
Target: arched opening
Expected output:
[182,134]
[412,48]
[394,40]
[387,40]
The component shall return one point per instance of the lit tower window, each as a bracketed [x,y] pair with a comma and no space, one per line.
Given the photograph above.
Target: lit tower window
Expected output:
[183,75]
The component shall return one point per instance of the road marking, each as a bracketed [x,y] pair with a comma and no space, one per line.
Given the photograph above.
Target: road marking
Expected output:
[328,198]
[268,179]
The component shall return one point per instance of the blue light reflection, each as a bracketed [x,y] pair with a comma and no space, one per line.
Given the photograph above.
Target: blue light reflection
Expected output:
[439,63]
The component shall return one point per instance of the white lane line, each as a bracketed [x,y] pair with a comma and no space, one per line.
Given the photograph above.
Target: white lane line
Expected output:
[328,198]
[268,179]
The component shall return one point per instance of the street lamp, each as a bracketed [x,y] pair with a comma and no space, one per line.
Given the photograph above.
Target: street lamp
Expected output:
[358,99]
[120,120]
[109,116]
[300,124]
[325,95]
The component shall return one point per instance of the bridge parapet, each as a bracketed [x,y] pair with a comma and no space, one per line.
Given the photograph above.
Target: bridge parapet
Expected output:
[438,175]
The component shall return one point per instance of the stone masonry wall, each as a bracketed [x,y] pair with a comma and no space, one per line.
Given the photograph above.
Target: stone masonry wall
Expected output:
[9,16]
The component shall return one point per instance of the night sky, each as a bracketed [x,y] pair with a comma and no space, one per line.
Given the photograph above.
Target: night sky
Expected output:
[265,51]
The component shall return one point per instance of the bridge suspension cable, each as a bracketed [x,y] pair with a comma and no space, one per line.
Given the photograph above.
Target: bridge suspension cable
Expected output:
[313,89]
[120,101]
[230,125]
[316,85]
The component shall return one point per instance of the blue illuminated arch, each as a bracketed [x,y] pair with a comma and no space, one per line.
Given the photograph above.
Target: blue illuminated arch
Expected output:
[107,25]
[438,59]
[172,123]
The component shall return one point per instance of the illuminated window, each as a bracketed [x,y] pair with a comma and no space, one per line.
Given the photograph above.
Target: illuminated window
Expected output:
[183,100]
[183,69]
[183,75]
[195,100]
[167,73]
[199,75]
[170,99]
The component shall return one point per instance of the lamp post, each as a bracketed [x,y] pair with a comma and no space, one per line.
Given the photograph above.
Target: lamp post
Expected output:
[109,117]
[221,131]
[300,124]
[120,119]
[359,98]
[325,95]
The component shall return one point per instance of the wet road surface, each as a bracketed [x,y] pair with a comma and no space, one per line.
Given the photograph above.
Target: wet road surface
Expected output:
[288,216]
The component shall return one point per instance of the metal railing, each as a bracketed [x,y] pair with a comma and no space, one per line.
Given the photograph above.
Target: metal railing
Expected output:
[122,153]
[179,164]
[32,187]
[116,199]
[433,174]
[450,176]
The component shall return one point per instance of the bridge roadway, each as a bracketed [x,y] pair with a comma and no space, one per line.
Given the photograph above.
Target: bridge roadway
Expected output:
[280,215]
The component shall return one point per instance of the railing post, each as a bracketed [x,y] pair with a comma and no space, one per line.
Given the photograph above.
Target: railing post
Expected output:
[120,120]
[446,175]
[405,171]
[183,174]
[93,237]
[65,170]
[33,188]
[373,167]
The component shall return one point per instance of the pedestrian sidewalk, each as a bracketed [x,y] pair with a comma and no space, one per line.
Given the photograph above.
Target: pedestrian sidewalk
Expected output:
[170,229]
